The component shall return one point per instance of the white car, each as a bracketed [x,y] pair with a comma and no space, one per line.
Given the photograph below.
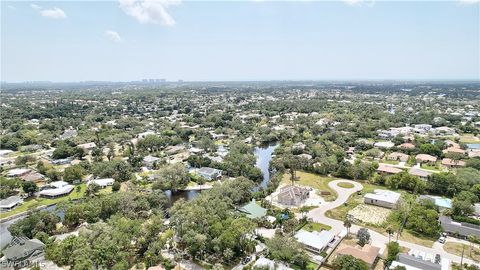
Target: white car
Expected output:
[442,240]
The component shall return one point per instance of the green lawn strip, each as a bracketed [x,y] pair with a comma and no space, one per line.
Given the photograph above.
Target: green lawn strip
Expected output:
[32,203]
[315,226]
[345,185]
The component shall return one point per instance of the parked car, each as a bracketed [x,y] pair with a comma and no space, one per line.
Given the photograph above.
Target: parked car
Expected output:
[442,240]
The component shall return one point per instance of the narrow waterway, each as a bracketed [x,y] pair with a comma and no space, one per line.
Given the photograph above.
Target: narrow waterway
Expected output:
[262,153]
[264,156]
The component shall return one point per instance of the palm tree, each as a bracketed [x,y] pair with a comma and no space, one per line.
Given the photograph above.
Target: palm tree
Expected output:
[472,239]
[347,224]
[390,232]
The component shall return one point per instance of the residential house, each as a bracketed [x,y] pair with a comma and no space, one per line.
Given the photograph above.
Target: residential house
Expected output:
[87,146]
[422,128]
[383,198]
[68,134]
[397,156]
[422,174]
[149,161]
[385,169]
[174,149]
[424,158]
[293,195]
[407,146]
[386,145]
[461,229]
[454,150]
[21,250]
[33,177]
[102,183]
[56,189]
[209,173]
[418,260]
[443,131]
[10,202]
[315,242]
[367,253]
[253,210]
[18,172]
[451,163]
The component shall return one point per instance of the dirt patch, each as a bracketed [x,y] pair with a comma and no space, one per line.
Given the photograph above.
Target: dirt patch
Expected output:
[370,214]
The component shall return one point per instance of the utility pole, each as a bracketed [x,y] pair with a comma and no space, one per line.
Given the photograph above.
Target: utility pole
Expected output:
[461,260]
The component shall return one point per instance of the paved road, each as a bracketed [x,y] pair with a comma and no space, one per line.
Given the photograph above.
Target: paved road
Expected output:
[378,239]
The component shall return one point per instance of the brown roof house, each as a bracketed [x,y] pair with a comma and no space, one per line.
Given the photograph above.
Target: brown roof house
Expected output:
[407,145]
[293,195]
[454,150]
[424,158]
[367,253]
[451,163]
[398,156]
[385,169]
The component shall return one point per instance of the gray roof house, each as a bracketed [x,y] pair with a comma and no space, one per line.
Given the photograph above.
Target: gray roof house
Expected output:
[383,198]
[10,202]
[21,250]
[417,260]
[458,228]
[293,195]
[209,173]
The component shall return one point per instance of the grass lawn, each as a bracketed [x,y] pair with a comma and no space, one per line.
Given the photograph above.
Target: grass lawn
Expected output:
[310,266]
[32,203]
[387,161]
[415,238]
[456,248]
[345,185]
[315,181]
[430,167]
[315,226]
[468,138]
[106,190]
[355,199]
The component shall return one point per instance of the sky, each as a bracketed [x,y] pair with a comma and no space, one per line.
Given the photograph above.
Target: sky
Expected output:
[239,40]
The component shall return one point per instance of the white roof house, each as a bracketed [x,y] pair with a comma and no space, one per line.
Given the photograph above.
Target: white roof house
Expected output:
[101,182]
[387,144]
[381,197]
[272,265]
[314,241]
[10,202]
[56,189]
[17,172]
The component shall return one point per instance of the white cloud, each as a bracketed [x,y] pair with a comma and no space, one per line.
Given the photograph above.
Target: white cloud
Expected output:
[469,2]
[150,11]
[113,36]
[54,13]
[35,6]
[368,3]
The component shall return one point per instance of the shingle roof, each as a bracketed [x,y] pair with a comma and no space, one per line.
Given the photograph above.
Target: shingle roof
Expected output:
[366,253]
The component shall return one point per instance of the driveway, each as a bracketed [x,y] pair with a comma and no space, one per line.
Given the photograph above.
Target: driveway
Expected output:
[377,239]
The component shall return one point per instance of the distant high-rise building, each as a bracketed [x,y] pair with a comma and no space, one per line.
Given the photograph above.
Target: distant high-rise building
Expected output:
[144,80]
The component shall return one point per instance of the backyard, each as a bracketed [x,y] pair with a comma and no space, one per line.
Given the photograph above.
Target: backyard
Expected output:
[320,183]
[32,203]
[315,226]
[471,252]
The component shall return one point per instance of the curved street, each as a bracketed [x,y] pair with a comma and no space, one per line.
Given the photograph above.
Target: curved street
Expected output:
[377,239]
